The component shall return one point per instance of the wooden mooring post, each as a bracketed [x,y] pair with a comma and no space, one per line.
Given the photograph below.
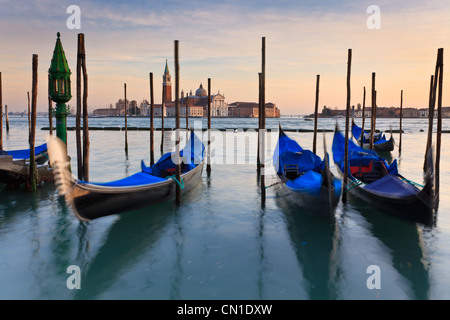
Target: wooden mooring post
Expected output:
[258,156]
[316,111]
[430,122]
[152,107]
[439,124]
[7,118]
[373,113]
[208,157]
[126,111]
[347,120]
[78,114]
[29,112]
[82,109]
[86,142]
[163,105]
[50,113]
[33,173]
[177,126]
[1,114]
[263,120]
[401,118]
[363,117]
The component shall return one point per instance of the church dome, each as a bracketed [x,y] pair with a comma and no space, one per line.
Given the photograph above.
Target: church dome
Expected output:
[201,92]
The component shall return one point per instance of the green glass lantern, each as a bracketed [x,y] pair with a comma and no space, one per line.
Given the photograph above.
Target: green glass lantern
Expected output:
[59,88]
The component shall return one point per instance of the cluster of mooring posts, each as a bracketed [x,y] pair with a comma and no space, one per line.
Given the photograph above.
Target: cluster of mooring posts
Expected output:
[435,94]
[24,168]
[60,92]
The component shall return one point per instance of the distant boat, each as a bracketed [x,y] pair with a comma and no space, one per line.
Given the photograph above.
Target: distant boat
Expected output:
[380,143]
[308,119]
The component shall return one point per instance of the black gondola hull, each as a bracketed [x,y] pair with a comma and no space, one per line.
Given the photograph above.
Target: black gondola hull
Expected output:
[316,204]
[382,147]
[91,202]
[418,207]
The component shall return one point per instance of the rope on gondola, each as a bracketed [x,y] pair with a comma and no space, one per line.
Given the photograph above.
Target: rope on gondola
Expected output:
[273,184]
[412,182]
[174,178]
[355,183]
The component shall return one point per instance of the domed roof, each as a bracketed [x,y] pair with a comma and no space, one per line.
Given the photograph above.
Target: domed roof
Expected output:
[201,92]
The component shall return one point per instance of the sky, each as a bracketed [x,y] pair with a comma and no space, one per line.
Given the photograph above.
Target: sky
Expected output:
[222,40]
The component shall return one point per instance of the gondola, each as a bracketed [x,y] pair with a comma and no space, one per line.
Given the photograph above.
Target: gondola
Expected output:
[380,143]
[304,177]
[149,186]
[372,179]
[15,165]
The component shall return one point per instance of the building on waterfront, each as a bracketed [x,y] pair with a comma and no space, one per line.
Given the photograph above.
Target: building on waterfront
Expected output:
[251,110]
[106,112]
[194,105]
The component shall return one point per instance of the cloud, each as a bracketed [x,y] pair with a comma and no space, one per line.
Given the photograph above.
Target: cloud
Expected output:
[222,40]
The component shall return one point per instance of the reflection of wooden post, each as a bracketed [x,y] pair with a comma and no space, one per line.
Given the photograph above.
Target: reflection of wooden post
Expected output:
[347,120]
[177,127]
[316,110]
[363,117]
[208,159]
[33,177]
[86,142]
[439,122]
[7,118]
[401,116]
[152,106]
[1,114]
[126,111]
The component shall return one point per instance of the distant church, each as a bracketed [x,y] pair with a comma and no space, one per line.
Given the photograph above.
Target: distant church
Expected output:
[196,105]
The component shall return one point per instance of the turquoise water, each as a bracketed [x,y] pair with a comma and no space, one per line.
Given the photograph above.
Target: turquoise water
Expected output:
[221,243]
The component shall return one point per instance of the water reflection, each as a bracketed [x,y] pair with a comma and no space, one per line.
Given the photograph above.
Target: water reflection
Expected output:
[312,240]
[131,235]
[17,203]
[404,240]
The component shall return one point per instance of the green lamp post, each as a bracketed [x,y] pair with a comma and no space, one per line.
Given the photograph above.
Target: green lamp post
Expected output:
[59,88]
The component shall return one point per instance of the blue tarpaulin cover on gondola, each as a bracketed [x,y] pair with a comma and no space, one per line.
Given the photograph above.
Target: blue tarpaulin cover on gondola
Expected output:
[136,179]
[309,178]
[392,187]
[357,155]
[288,152]
[191,155]
[154,174]
[309,182]
[25,153]
[378,137]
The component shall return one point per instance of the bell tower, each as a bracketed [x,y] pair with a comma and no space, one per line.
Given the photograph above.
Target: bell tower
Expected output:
[167,85]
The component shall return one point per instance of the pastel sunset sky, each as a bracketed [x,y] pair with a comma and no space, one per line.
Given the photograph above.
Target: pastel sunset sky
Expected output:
[221,40]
